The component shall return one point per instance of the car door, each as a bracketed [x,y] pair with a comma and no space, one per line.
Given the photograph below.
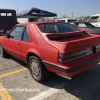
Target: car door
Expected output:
[14,41]
[25,44]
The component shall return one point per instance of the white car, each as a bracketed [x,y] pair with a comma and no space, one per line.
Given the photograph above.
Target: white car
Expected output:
[95,20]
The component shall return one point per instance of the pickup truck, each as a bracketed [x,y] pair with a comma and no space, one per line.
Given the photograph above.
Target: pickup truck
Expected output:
[51,47]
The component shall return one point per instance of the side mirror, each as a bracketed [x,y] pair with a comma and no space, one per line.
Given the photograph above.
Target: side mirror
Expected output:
[2,32]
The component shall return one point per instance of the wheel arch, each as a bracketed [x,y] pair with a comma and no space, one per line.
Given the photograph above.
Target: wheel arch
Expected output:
[33,53]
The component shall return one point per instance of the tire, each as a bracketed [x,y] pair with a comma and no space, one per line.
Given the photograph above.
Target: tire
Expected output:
[37,69]
[3,52]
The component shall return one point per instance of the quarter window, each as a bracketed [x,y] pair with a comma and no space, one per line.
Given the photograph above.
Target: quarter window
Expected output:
[17,33]
[25,36]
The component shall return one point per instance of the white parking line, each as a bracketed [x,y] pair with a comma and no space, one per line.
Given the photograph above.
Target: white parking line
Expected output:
[48,93]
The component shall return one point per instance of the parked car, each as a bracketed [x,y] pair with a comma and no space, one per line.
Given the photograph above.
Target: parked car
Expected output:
[86,25]
[51,47]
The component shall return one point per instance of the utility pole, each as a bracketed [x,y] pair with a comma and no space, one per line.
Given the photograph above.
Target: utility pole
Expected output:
[72,14]
[17,10]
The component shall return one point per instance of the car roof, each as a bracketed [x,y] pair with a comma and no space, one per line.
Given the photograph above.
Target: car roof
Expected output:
[37,22]
[7,10]
[96,15]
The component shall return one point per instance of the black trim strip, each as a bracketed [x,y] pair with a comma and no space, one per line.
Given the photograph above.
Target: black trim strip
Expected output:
[54,66]
[74,69]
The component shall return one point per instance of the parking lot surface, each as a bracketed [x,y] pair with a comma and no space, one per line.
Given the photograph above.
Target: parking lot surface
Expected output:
[16,83]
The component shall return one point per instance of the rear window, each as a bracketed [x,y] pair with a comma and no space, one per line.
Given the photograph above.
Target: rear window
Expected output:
[84,25]
[56,28]
[5,14]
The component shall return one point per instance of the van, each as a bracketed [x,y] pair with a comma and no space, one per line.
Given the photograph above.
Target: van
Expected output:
[7,19]
[95,20]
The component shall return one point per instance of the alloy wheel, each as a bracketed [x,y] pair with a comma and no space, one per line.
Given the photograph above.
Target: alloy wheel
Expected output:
[35,69]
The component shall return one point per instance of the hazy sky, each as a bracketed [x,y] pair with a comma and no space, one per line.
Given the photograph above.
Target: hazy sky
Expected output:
[61,7]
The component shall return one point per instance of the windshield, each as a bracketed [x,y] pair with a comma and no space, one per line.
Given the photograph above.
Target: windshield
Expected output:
[94,19]
[84,25]
[56,28]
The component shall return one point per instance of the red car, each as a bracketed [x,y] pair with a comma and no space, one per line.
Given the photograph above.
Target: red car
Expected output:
[51,47]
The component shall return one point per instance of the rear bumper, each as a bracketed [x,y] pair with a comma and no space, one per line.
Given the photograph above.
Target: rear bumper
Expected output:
[73,69]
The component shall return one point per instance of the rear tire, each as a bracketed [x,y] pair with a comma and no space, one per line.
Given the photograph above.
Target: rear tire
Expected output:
[37,69]
[3,52]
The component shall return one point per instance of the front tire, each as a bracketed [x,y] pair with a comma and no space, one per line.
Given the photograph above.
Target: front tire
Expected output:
[37,69]
[2,52]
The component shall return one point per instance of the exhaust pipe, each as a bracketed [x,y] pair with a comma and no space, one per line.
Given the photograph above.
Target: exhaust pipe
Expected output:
[65,76]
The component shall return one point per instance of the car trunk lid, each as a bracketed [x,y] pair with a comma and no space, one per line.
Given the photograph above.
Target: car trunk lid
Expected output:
[75,42]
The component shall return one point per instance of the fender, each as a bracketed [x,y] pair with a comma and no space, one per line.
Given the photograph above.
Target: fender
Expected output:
[35,52]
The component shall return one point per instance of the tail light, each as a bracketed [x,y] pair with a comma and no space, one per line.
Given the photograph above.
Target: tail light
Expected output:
[65,58]
[97,48]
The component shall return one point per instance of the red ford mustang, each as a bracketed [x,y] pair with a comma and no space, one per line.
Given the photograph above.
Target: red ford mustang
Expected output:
[51,47]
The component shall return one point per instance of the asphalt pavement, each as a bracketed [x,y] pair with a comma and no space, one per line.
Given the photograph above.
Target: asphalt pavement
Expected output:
[16,83]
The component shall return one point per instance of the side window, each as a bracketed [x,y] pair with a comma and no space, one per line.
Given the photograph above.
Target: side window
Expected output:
[94,19]
[17,33]
[25,36]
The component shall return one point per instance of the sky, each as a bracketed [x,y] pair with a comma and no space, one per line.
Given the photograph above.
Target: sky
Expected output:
[61,7]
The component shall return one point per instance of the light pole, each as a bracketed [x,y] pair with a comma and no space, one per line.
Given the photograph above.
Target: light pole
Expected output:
[17,10]
[72,14]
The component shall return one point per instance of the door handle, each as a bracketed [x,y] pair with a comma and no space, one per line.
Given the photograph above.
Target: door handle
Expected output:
[17,44]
